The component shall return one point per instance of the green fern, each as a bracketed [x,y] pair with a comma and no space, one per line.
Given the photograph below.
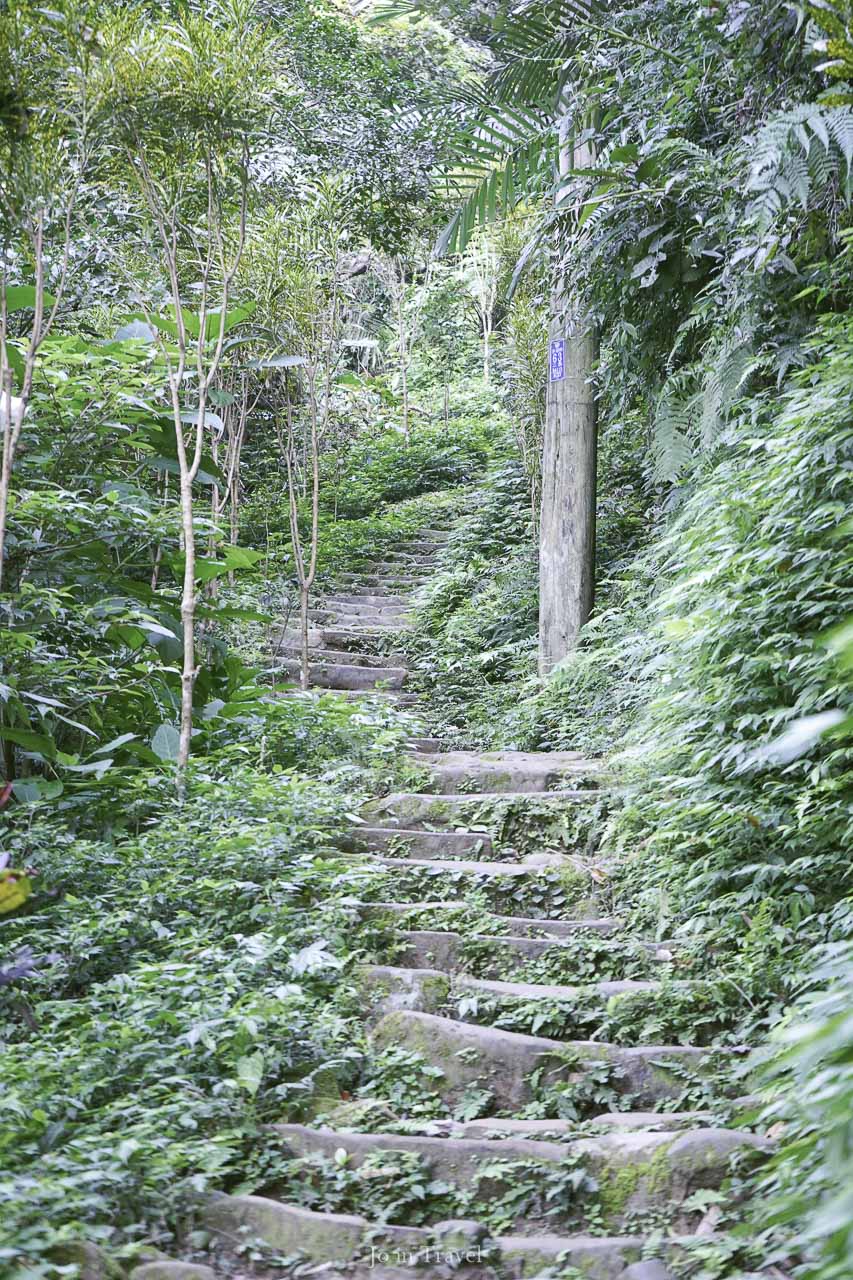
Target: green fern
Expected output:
[796,156]
[672,427]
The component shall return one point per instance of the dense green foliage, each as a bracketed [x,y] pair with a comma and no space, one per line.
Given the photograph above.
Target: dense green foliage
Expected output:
[180,975]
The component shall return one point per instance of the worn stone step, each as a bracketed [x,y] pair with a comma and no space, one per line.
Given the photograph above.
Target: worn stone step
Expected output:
[417,808]
[391,582]
[505,771]
[664,1168]
[523,948]
[504,1060]
[530,991]
[500,1126]
[361,609]
[336,1237]
[399,697]
[423,744]
[165,1269]
[368,598]
[426,844]
[425,546]
[350,676]
[359,637]
[515,926]
[532,866]
[410,984]
[344,657]
[593,1257]
[361,617]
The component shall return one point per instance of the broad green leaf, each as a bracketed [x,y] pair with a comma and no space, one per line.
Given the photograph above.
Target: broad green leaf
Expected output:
[278,362]
[20,297]
[31,790]
[39,743]
[120,741]
[165,742]
[250,1072]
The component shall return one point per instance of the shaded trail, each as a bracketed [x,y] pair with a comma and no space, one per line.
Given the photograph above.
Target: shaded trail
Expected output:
[486,921]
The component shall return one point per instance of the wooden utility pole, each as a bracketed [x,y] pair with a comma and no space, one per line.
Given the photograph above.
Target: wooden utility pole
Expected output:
[567,523]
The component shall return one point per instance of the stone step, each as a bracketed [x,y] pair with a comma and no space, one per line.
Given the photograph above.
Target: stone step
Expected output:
[517,926]
[423,744]
[592,1257]
[339,676]
[357,636]
[653,1169]
[398,697]
[504,1061]
[347,658]
[530,991]
[361,609]
[361,617]
[423,942]
[499,1126]
[425,844]
[533,866]
[368,579]
[373,641]
[428,989]
[511,771]
[391,1251]
[367,598]
[162,1269]
[425,546]
[398,563]
[417,808]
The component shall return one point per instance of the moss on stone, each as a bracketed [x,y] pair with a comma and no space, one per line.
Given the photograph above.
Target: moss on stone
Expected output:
[618,1185]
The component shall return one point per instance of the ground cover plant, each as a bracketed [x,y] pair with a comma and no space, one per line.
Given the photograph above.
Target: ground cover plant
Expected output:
[282,297]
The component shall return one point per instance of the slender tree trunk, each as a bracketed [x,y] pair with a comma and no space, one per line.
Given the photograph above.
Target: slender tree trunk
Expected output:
[188,669]
[304,669]
[567,519]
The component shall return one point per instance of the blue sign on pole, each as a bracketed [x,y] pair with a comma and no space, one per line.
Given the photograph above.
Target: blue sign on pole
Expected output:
[557,360]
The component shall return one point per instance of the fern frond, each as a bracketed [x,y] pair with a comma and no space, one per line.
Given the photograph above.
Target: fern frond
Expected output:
[673,423]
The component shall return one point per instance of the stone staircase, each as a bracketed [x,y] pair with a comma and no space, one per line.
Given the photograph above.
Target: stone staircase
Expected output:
[487,926]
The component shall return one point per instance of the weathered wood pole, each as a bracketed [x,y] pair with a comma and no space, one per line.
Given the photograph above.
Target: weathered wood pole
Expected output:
[567,524]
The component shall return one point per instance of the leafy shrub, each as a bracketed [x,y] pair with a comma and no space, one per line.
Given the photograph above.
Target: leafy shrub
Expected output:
[808,1189]
[181,1009]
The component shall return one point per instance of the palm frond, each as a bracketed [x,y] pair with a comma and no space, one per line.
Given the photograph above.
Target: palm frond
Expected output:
[507,152]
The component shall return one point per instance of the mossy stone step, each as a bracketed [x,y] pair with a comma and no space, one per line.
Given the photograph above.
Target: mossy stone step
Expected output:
[417,808]
[368,598]
[383,581]
[504,1061]
[635,1171]
[428,990]
[515,926]
[423,744]
[503,771]
[450,946]
[386,619]
[426,844]
[345,637]
[166,1269]
[344,657]
[346,1238]
[535,865]
[348,676]
[662,1121]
